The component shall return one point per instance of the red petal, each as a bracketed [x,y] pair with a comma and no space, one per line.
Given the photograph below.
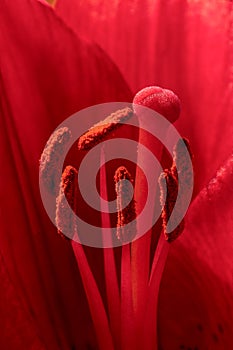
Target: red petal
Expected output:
[181,45]
[196,293]
[18,331]
[47,73]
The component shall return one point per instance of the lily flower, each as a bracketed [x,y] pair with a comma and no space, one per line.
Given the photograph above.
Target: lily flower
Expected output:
[55,294]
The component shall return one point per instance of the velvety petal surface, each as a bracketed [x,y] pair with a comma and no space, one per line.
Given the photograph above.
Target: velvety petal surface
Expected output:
[195,306]
[18,330]
[183,45]
[47,73]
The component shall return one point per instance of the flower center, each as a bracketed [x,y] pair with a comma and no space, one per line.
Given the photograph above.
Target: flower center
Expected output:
[134,296]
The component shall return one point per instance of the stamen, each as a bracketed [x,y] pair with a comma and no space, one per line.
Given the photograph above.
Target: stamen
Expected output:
[68,189]
[49,161]
[110,272]
[169,180]
[102,129]
[68,193]
[126,214]
[180,160]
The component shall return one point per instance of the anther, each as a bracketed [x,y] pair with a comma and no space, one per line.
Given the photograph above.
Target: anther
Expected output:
[102,129]
[126,214]
[66,203]
[169,181]
[50,158]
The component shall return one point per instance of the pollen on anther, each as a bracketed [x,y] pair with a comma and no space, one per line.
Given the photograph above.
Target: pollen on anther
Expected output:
[66,203]
[169,180]
[50,158]
[102,129]
[126,212]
